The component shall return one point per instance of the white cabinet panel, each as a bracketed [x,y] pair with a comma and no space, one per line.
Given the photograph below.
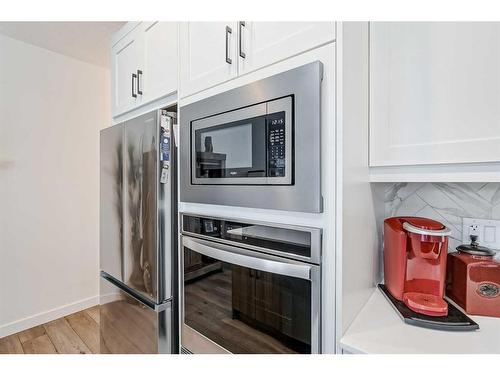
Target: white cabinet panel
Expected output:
[126,59]
[159,76]
[434,93]
[207,55]
[264,43]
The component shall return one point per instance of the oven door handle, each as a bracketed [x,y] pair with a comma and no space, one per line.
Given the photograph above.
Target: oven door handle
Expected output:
[233,255]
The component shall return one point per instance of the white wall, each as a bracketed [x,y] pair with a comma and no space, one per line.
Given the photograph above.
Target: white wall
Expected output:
[51,110]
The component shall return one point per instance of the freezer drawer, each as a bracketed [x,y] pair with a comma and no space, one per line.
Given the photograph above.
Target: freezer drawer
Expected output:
[129,326]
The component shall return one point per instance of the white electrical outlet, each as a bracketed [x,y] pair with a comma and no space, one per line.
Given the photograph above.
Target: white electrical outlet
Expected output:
[487,232]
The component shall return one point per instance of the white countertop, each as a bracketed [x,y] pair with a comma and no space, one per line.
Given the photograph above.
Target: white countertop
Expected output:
[379,330]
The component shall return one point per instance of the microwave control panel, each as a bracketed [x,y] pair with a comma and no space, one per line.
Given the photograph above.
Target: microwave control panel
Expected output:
[276,145]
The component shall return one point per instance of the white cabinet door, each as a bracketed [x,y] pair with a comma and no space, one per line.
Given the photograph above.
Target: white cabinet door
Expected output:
[434,93]
[207,55]
[159,71]
[127,57]
[264,43]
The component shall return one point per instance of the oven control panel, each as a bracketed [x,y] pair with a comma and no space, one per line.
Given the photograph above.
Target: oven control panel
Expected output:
[276,145]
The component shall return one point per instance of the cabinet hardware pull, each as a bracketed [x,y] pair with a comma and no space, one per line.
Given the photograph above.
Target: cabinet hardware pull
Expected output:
[139,73]
[134,76]
[228,31]
[241,25]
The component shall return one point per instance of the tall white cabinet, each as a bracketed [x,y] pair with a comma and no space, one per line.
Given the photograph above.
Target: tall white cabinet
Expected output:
[434,93]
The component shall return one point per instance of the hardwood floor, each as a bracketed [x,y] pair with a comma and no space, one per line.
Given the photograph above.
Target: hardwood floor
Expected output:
[77,333]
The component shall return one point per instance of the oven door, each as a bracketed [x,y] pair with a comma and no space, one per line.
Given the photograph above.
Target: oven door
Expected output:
[248,146]
[241,301]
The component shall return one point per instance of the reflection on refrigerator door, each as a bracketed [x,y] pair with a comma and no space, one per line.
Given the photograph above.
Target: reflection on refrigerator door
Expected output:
[140,251]
[128,326]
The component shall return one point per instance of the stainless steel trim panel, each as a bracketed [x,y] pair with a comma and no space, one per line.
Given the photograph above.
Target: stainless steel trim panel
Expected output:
[304,83]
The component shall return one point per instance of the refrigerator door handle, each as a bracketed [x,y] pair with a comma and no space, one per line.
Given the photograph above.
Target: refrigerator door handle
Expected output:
[139,297]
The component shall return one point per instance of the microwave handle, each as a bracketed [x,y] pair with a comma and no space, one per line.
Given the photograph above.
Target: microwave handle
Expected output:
[219,252]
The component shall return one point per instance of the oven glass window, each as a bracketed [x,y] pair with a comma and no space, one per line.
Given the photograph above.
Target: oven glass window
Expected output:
[232,150]
[246,310]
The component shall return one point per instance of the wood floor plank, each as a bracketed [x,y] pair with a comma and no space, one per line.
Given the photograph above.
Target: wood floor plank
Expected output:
[31,334]
[39,345]
[86,328]
[11,345]
[64,338]
[93,312]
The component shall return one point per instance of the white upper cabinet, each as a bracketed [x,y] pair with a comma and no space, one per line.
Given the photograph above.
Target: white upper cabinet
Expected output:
[126,58]
[160,59]
[264,43]
[207,55]
[214,52]
[434,93]
[144,65]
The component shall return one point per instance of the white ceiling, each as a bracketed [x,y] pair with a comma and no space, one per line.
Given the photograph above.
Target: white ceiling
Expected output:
[87,41]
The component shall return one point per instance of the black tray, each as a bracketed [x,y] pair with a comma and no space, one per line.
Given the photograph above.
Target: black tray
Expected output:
[456,320]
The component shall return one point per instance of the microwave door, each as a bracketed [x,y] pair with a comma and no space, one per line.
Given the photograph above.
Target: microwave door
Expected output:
[248,146]
[243,302]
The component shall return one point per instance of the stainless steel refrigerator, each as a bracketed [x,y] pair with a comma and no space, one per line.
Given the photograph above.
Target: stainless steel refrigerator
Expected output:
[138,236]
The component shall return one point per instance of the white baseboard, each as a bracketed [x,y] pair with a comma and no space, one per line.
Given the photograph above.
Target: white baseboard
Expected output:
[47,316]
[110,297]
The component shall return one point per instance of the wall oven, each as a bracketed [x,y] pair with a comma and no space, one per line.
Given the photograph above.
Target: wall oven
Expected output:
[249,287]
[257,145]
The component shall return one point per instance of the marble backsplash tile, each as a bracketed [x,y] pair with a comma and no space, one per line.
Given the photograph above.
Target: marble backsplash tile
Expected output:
[447,203]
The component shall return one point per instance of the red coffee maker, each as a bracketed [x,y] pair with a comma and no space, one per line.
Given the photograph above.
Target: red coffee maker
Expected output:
[415,252]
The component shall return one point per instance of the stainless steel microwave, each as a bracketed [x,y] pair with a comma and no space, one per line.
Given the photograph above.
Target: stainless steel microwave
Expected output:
[257,145]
